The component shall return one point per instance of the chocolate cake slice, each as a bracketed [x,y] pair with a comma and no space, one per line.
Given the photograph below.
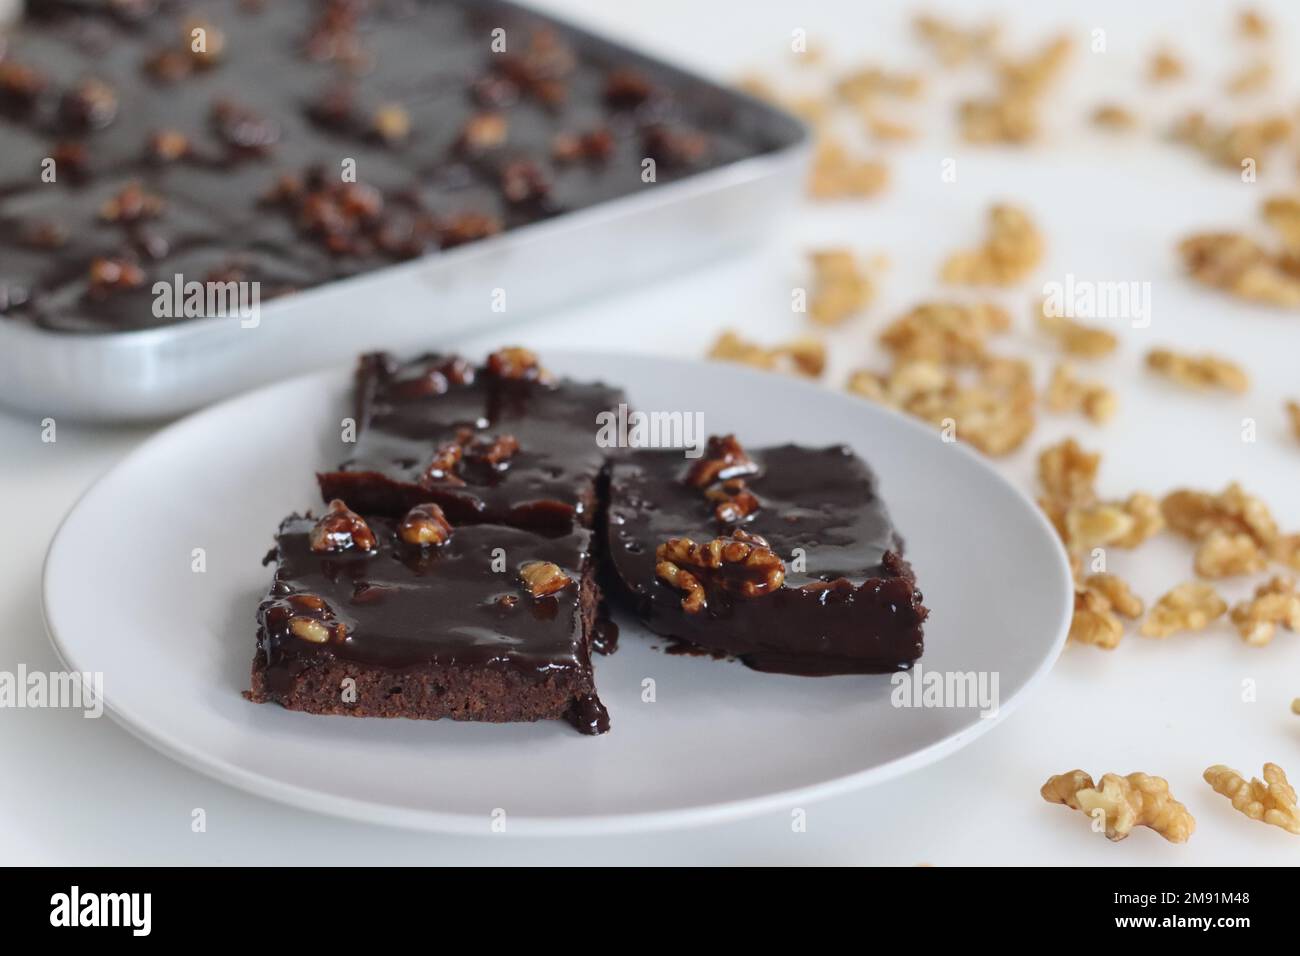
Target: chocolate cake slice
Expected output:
[784,558]
[412,617]
[505,444]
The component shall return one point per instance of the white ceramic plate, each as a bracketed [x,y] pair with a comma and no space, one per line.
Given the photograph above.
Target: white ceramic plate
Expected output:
[719,741]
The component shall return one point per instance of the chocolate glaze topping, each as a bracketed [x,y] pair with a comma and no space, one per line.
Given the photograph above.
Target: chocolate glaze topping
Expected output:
[485,448]
[851,606]
[401,606]
[231,158]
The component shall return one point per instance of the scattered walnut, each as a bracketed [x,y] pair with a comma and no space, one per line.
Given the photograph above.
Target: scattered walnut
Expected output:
[867,83]
[168,145]
[1198,371]
[425,525]
[1293,413]
[840,287]
[1112,117]
[90,105]
[1222,555]
[1165,65]
[1010,116]
[340,529]
[543,578]
[805,355]
[1147,520]
[1275,602]
[995,413]
[838,175]
[1094,621]
[1076,338]
[950,333]
[517,363]
[1136,800]
[1117,593]
[1271,800]
[1282,213]
[1195,514]
[1252,78]
[1010,251]
[1252,25]
[483,131]
[1188,607]
[1233,144]
[953,44]
[1066,393]
[742,565]
[723,459]
[1096,525]
[1068,473]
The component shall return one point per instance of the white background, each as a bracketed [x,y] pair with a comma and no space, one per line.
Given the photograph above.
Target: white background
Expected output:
[84,791]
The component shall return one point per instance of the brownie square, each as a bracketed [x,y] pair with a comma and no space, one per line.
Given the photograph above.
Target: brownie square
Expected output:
[785,558]
[481,622]
[502,444]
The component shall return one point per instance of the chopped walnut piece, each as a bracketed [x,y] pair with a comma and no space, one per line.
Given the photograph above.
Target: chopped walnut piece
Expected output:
[946,332]
[1096,525]
[1076,338]
[1010,251]
[1233,144]
[1066,393]
[838,175]
[1094,620]
[341,529]
[723,459]
[131,204]
[732,500]
[1136,800]
[1112,117]
[1188,607]
[742,565]
[1222,555]
[1282,213]
[1147,520]
[1068,473]
[840,287]
[865,84]
[1271,800]
[168,145]
[1195,514]
[90,105]
[1165,65]
[1241,266]
[306,617]
[483,131]
[1117,593]
[1198,371]
[391,123]
[425,526]
[805,355]
[112,274]
[1252,25]
[954,45]
[1293,413]
[517,363]
[543,578]
[1251,78]
[1275,602]
[1011,115]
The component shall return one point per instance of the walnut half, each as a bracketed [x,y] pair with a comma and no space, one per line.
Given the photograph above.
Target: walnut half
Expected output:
[742,565]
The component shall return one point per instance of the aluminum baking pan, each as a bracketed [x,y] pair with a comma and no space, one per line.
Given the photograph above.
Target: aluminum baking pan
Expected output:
[161,372]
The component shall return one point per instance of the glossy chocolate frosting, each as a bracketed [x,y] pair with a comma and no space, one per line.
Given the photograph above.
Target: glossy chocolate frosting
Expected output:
[251,185]
[848,603]
[408,411]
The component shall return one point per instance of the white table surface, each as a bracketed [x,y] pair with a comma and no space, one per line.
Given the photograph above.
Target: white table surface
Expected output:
[85,792]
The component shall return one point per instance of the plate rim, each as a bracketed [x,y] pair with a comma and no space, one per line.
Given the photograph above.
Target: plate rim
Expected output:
[437,821]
